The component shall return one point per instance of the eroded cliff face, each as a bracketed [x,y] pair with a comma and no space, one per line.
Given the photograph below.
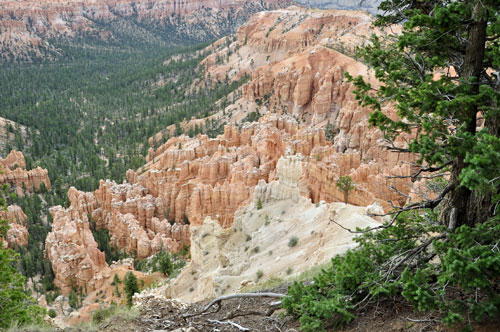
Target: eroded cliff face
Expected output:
[297,60]
[226,260]
[26,26]
[73,252]
[13,172]
[215,177]
[78,262]
[298,88]
[17,234]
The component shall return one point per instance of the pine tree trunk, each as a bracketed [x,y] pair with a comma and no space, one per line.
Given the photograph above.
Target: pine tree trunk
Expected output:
[462,206]
[480,205]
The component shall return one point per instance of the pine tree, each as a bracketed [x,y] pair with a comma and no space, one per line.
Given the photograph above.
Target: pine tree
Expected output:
[131,286]
[345,185]
[165,262]
[442,73]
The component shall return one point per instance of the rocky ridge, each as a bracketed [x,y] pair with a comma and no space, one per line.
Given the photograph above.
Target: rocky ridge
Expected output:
[26,26]
[73,252]
[368,5]
[15,174]
[127,211]
[17,234]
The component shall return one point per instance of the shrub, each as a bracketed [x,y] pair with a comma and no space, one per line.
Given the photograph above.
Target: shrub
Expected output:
[293,241]
[259,274]
[259,204]
[52,313]
[469,262]
[101,314]
[131,286]
[165,262]
[123,313]
[345,184]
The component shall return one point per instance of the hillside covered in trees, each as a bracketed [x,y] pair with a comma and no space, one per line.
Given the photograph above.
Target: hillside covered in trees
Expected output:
[88,116]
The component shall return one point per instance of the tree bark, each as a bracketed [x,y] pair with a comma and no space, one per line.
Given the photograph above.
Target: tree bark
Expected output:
[470,207]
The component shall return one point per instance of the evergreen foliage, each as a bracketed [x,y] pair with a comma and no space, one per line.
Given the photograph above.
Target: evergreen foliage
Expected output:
[89,116]
[461,284]
[131,286]
[259,204]
[16,305]
[345,184]
[165,263]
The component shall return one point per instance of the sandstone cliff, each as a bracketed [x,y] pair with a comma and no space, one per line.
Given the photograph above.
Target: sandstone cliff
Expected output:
[13,172]
[78,263]
[369,5]
[27,26]
[17,235]
[297,59]
[73,252]
[226,260]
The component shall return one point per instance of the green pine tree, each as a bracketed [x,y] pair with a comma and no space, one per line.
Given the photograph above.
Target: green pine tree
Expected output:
[131,286]
[165,262]
[345,184]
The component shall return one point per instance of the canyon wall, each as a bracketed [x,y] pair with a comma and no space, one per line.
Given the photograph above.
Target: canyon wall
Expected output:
[297,60]
[17,234]
[76,260]
[368,5]
[257,246]
[27,26]
[310,131]
[72,250]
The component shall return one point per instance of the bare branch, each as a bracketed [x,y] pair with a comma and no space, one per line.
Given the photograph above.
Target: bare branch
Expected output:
[430,204]
[428,170]
[237,313]
[235,296]
[415,251]
[392,147]
[239,327]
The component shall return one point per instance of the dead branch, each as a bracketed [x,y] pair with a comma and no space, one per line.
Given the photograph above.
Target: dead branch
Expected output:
[430,204]
[415,252]
[428,170]
[399,192]
[237,313]
[235,296]
[239,327]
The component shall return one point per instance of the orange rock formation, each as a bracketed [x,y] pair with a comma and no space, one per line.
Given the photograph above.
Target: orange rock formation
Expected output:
[297,60]
[25,25]
[73,252]
[17,235]
[14,172]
